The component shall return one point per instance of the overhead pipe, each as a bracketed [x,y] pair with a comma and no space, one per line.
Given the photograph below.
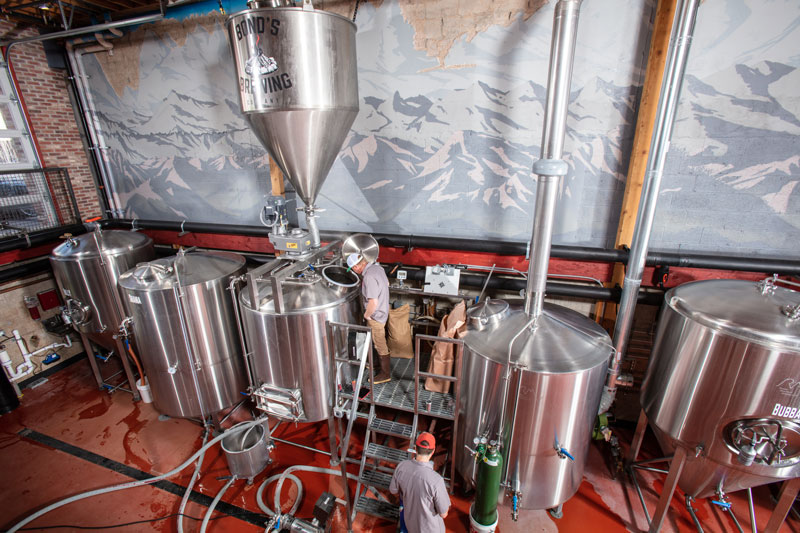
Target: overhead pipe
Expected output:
[678,54]
[574,253]
[75,54]
[40,237]
[554,288]
[144,19]
[551,168]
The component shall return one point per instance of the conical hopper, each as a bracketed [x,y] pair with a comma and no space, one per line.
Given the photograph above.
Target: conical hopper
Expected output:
[298,87]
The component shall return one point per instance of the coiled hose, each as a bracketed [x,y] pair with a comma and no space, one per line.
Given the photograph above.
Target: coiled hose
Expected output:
[287,474]
[237,428]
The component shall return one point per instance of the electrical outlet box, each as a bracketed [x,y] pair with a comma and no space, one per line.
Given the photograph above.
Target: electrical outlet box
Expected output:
[442,279]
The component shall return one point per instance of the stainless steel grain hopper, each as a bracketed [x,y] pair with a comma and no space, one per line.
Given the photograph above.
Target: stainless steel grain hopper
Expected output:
[298,89]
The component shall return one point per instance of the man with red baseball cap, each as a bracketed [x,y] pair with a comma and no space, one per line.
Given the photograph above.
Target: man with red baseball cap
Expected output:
[421,489]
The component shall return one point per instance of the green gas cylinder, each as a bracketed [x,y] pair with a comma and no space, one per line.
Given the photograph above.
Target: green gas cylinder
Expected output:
[490,469]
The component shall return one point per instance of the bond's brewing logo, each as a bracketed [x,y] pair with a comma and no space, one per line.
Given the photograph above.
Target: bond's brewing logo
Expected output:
[260,65]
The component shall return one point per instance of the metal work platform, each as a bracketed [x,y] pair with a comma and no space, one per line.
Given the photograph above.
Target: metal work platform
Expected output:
[399,393]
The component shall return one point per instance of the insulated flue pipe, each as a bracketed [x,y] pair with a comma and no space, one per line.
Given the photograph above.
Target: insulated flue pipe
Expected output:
[678,54]
[551,168]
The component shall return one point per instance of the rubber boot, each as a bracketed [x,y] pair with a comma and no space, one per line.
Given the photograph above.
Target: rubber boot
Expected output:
[385,374]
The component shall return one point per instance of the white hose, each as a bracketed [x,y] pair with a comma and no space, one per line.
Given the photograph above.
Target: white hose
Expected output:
[286,474]
[196,474]
[214,503]
[237,428]
[260,495]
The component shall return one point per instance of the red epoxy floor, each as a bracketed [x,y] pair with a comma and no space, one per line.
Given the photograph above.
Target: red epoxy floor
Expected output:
[71,409]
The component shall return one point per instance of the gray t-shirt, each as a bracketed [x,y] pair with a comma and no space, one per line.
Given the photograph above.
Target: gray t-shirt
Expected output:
[375,284]
[424,496]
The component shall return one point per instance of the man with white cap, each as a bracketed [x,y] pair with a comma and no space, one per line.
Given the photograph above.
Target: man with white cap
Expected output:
[375,290]
[422,491]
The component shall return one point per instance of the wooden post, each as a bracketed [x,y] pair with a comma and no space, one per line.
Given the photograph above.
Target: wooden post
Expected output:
[276,178]
[645,121]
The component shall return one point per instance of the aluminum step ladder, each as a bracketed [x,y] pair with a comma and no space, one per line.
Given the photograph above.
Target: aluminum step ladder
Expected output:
[394,395]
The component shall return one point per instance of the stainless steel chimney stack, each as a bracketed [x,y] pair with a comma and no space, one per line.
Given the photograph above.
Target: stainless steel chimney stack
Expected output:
[551,168]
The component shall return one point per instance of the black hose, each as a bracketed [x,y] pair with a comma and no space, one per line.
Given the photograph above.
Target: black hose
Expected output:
[40,237]
[553,288]
[576,253]
[21,270]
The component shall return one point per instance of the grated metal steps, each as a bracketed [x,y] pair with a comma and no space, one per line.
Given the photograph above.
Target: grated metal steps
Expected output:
[377,508]
[386,453]
[373,478]
[389,427]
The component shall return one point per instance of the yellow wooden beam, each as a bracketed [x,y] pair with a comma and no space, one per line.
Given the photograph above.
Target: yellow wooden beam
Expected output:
[645,120]
[276,178]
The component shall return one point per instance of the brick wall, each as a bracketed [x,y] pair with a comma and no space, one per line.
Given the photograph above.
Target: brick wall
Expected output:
[44,93]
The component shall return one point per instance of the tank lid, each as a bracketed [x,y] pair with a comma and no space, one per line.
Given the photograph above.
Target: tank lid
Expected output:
[487,312]
[192,268]
[562,341]
[310,293]
[112,242]
[753,311]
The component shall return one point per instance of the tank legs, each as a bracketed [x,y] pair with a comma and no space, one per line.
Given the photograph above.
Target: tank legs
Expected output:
[675,469]
[87,346]
[126,365]
[786,498]
[638,436]
[334,461]
[557,512]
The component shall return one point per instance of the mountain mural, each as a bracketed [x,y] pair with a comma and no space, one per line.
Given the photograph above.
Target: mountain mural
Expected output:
[445,145]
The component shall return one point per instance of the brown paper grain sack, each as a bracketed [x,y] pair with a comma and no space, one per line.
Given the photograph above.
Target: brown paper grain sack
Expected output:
[442,355]
[399,333]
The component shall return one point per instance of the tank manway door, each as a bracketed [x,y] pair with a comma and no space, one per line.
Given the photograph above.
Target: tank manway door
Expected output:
[764,441]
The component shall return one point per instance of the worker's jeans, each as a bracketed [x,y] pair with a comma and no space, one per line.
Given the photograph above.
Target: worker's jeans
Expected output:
[378,337]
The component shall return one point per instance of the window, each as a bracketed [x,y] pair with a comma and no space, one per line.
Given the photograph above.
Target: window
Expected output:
[16,148]
[27,192]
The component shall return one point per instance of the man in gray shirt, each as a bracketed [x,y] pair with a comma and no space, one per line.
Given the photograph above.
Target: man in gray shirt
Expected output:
[422,490]
[375,290]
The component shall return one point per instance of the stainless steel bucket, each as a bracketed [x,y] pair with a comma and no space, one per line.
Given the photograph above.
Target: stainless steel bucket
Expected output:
[247,452]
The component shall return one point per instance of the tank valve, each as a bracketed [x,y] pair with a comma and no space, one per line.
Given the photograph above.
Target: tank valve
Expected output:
[564,454]
[515,506]
[747,454]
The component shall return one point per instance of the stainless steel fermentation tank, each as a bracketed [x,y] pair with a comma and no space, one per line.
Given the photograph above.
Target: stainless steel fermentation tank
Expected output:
[87,268]
[184,319]
[533,375]
[724,383]
[286,332]
[298,89]
[536,391]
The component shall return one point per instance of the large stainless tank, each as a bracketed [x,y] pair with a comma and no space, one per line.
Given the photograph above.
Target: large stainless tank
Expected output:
[290,352]
[87,268]
[298,87]
[724,376]
[555,381]
[184,321]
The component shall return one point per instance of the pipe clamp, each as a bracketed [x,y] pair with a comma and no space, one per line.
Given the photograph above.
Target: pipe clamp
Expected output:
[551,167]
